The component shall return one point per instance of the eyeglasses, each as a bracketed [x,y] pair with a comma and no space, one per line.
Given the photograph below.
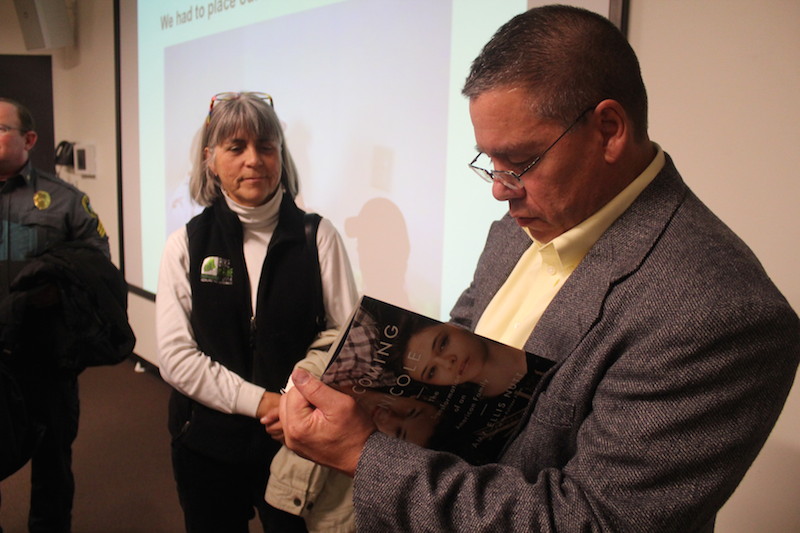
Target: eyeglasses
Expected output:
[5,129]
[512,179]
[224,97]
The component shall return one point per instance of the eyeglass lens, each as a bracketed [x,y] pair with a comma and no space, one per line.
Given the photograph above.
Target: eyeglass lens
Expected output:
[509,178]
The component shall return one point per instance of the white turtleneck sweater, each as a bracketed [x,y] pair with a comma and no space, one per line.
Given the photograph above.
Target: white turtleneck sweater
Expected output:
[194,373]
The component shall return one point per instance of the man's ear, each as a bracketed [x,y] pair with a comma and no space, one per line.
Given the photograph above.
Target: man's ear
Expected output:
[30,140]
[615,128]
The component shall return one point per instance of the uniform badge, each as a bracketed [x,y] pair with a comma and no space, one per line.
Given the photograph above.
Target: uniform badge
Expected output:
[216,270]
[41,199]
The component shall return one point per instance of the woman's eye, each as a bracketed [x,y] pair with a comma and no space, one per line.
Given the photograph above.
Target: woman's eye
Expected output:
[443,341]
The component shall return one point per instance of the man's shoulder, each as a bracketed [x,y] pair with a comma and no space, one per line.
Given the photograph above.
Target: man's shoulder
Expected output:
[50,181]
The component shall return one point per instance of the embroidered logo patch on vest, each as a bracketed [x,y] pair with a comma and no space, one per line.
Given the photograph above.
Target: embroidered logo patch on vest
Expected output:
[216,270]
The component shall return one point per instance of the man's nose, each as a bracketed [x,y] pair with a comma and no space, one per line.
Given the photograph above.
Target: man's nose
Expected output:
[503,193]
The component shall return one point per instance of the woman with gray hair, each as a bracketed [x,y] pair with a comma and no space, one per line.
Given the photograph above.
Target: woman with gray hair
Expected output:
[245,289]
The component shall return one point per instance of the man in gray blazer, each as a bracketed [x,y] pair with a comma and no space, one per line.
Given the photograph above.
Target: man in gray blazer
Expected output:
[673,351]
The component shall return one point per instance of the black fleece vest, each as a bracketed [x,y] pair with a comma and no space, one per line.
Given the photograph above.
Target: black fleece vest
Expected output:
[262,349]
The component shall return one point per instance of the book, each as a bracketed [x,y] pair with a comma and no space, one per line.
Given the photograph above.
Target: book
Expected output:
[433,383]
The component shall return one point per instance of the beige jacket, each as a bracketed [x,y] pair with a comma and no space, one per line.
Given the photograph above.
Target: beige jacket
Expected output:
[323,497]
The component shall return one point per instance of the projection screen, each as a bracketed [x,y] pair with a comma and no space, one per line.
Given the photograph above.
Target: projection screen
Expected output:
[369,95]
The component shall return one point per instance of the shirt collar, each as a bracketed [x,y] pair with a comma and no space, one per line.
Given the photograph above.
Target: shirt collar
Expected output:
[572,245]
[27,173]
[24,175]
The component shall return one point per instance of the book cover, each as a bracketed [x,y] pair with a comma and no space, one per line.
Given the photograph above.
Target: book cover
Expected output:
[433,383]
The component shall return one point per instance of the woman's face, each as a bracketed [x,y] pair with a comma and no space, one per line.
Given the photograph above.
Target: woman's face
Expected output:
[249,169]
[445,355]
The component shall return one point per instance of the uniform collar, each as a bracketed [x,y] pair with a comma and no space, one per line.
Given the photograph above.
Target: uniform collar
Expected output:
[26,175]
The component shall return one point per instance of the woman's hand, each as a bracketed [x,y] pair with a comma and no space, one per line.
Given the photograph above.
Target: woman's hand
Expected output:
[273,425]
[267,413]
[269,402]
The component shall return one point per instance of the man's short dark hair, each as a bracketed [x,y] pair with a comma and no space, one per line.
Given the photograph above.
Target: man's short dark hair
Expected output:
[25,118]
[568,59]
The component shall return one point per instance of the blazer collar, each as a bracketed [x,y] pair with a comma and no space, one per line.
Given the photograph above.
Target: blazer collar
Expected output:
[618,253]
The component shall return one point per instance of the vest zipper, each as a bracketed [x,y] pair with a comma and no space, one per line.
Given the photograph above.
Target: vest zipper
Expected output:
[252,334]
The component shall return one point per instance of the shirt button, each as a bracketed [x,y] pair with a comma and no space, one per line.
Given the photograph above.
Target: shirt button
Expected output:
[297,502]
[551,270]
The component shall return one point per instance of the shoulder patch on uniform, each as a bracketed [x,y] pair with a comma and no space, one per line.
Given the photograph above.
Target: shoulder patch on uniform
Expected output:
[216,270]
[101,230]
[88,207]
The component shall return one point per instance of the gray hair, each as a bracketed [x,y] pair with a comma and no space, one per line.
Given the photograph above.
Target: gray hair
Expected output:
[567,59]
[249,114]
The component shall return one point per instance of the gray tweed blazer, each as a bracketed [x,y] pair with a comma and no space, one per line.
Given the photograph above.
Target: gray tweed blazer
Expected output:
[674,355]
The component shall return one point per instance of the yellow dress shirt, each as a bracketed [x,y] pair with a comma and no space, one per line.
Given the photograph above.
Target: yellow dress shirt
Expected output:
[544,267]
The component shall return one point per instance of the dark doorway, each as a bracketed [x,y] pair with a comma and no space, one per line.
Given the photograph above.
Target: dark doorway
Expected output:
[28,79]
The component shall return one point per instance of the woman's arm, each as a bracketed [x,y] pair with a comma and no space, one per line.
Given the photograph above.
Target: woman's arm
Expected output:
[181,362]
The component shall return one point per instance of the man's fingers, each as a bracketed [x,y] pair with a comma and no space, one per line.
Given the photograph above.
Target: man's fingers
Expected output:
[323,424]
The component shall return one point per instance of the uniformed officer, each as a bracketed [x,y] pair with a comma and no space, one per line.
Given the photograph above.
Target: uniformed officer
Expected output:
[38,211]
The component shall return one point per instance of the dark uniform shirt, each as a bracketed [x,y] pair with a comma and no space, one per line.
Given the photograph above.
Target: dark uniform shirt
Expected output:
[37,211]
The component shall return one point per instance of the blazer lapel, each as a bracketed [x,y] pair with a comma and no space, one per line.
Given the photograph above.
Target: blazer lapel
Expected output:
[619,252]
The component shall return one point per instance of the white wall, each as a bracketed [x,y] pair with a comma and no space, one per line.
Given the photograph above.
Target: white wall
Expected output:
[723,80]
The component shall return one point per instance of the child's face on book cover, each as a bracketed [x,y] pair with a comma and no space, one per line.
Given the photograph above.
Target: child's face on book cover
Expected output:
[445,355]
[404,418]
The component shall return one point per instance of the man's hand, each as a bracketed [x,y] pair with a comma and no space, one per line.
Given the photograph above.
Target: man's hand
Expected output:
[323,424]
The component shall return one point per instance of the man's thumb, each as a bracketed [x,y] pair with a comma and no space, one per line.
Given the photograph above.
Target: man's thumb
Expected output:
[300,376]
[315,391]
[305,383]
